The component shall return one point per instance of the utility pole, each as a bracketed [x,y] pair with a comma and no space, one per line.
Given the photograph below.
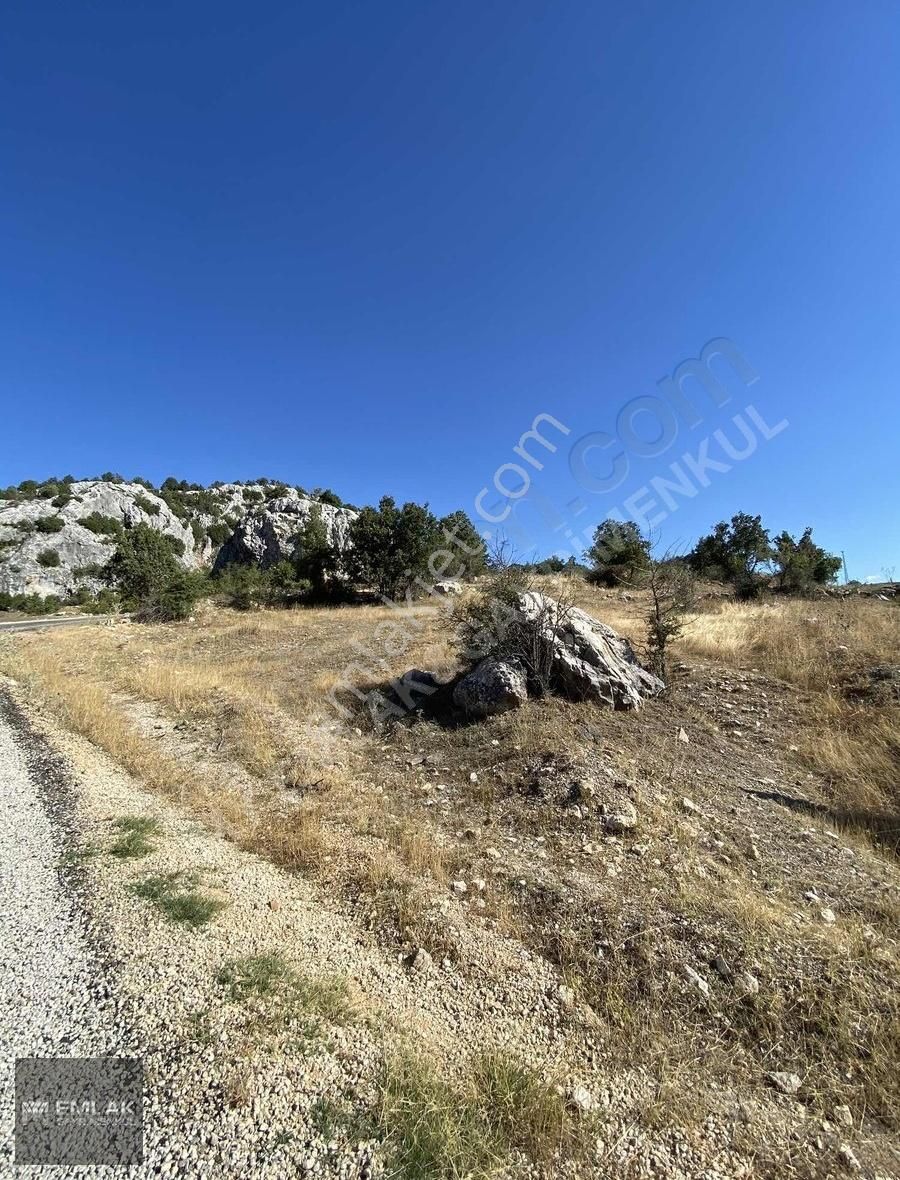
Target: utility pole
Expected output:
[846,575]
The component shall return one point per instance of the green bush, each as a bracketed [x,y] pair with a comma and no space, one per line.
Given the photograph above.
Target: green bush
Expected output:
[802,565]
[218,534]
[735,551]
[49,524]
[30,604]
[147,576]
[146,505]
[104,526]
[88,571]
[48,558]
[62,499]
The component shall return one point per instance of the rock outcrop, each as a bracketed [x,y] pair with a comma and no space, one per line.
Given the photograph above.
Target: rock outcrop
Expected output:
[494,686]
[267,534]
[588,660]
[46,548]
[34,533]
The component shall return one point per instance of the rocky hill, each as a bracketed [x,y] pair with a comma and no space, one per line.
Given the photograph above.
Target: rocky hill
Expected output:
[57,544]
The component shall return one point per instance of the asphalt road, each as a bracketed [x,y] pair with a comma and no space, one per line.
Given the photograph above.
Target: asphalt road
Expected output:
[42,623]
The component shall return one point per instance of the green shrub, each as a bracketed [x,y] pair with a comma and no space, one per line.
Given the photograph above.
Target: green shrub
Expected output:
[49,558]
[49,524]
[106,602]
[146,505]
[104,526]
[30,604]
[148,577]
[218,533]
[61,500]
[88,571]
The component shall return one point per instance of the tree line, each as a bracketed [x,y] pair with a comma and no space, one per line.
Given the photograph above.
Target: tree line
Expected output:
[739,552]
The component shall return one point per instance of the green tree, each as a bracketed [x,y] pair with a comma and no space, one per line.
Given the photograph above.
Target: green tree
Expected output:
[390,546]
[734,551]
[619,553]
[463,540]
[802,564]
[315,558]
[48,558]
[148,577]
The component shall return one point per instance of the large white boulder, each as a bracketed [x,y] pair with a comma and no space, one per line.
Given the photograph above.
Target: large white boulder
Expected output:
[588,660]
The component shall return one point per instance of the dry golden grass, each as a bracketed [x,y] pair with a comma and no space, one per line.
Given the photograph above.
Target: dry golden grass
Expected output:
[823,647]
[254,688]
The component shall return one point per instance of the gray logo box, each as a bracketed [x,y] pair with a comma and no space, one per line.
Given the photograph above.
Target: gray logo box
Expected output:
[79,1110]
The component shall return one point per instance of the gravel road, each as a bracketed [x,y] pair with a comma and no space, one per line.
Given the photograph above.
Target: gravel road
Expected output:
[55,997]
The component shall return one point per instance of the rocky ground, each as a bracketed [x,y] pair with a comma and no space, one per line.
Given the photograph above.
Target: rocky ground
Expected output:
[661,916]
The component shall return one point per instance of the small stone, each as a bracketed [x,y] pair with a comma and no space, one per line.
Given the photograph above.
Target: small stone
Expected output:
[479,884]
[622,818]
[787,1083]
[421,960]
[721,968]
[690,806]
[754,852]
[746,984]
[274,904]
[695,978]
[566,997]
[581,789]
[848,1159]
[683,737]
[582,1099]
[828,916]
[843,1116]
[473,777]
[459,886]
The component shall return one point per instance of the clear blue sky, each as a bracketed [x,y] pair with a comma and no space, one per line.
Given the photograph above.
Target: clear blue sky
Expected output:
[363,245]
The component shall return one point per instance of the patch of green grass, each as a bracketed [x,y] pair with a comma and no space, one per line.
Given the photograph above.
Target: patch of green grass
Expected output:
[133,841]
[435,1128]
[256,975]
[271,976]
[77,856]
[176,895]
[523,1110]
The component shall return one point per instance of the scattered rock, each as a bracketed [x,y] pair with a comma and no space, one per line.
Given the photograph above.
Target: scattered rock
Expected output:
[448,589]
[746,984]
[683,737]
[581,1099]
[848,1159]
[274,904]
[787,1083]
[494,686]
[566,997]
[690,806]
[695,978]
[421,960]
[828,916]
[621,818]
[843,1116]
[459,886]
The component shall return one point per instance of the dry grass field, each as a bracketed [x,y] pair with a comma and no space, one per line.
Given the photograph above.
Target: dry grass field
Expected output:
[748,926]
